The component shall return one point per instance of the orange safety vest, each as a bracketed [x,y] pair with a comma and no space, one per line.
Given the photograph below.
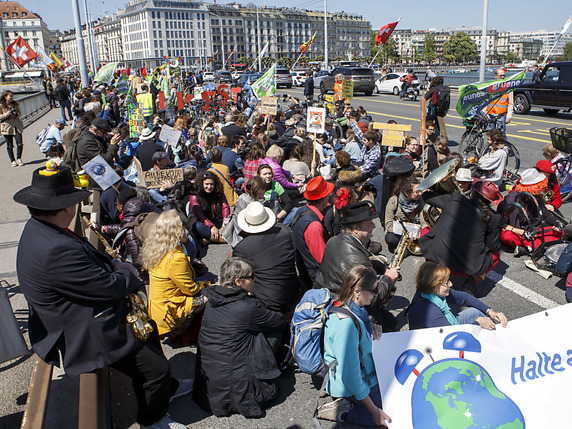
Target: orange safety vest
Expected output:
[499,107]
[338,90]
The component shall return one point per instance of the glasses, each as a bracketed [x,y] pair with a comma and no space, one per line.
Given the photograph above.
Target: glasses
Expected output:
[249,277]
[374,291]
[447,283]
[501,76]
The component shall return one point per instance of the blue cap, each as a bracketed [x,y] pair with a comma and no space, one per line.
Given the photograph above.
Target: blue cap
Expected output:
[60,121]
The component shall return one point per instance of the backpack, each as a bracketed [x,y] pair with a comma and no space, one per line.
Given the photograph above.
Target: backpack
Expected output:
[307,327]
[443,102]
[41,138]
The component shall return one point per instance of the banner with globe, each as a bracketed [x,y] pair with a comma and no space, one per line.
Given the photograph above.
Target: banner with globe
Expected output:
[467,377]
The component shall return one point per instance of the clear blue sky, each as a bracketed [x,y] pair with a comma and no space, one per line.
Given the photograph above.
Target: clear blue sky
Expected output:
[523,15]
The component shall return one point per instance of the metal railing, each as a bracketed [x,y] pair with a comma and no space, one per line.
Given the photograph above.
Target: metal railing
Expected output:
[32,104]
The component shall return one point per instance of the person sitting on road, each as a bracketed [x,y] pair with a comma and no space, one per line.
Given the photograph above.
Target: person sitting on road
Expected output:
[493,163]
[548,169]
[222,172]
[353,382]
[429,307]
[437,154]
[275,155]
[274,192]
[236,368]
[465,181]
[54,135]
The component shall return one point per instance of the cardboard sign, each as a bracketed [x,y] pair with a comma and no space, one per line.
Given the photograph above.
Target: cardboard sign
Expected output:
[136,120]
[269,106]
[101,172]
[155,178]
[348,89]
[392,133]
[170,136]
[316,121]
[329,99]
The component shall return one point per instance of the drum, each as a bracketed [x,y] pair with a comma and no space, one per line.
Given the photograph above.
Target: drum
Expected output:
[552,254]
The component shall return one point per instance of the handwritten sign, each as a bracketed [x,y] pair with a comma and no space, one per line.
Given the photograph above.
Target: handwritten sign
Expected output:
[269,106]
[155,178]
[136,120]
[170,136]
[392,133]
[348,89]
[316,121]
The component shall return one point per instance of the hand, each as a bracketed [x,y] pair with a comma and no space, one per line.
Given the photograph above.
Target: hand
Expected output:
[556,229]
[281,215]
[115,139]
[486,323]
[167,184]
[498,317]
[393,273]
[380,418]
[215,233]
[550,207]
[376,331]
[508,120]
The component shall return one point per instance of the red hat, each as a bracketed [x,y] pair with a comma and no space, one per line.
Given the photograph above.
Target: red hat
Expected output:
[546,166]
[318,188]
[488,190]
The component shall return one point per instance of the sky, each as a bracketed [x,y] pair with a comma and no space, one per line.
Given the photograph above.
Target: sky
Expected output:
[514,16]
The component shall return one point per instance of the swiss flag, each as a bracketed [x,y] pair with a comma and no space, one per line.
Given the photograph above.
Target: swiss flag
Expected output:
[20,52]
[65,63]
[384,33]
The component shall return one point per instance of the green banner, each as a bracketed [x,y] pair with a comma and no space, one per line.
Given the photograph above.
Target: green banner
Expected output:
[105,73]
[476,96]
[266,85]
[122,84]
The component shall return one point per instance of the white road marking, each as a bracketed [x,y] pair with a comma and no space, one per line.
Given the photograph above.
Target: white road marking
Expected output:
[521,290]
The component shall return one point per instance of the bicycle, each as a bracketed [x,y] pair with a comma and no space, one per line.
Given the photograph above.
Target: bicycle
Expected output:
[562,140]
[473,145]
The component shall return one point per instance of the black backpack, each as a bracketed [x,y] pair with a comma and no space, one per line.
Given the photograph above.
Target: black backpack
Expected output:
[443,102]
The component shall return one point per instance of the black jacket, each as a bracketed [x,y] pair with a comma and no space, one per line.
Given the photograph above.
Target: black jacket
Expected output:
[67,283]
[61,93]
[145,153]
[272,254]
[309,87]
[231,131]
[459,238]
[234,354]
[89,146]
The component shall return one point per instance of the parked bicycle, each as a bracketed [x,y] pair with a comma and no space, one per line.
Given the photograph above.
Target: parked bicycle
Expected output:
[562,140]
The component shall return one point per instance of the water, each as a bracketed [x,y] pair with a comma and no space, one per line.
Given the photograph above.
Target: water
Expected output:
[456,79]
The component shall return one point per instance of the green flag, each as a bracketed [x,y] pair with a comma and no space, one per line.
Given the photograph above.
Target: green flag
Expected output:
[476,96]
[164,85]
[266,85]
[122,84]
[105,73]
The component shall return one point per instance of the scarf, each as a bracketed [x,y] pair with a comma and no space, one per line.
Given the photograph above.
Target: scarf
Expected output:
[361,313]
[407,206]
[443,306]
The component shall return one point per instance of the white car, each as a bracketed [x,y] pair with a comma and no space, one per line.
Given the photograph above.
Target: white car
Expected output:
[298,78]
[236,74]
[389,84]
[208,76]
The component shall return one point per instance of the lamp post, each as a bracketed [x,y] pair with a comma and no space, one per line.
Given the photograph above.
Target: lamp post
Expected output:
[484,41]
[326,33]
[258,40]
[80,46]
[221,36]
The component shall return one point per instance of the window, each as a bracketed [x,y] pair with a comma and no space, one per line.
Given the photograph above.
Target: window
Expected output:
[5,15]
[14,15]
[24,14]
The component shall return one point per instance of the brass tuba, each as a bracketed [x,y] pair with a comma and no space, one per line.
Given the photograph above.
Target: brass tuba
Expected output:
[441,180]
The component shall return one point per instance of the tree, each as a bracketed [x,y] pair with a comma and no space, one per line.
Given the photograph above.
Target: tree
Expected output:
[511,57]
[460,48]
[568,52]
[428,53]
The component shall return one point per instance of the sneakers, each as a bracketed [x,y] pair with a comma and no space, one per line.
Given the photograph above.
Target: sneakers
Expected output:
[20,162]
[185,387]
[165,423]
[335,411]
[520,251]
[14,164]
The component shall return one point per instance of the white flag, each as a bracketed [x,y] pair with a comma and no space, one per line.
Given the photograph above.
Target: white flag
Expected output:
[42,60]
[565,28]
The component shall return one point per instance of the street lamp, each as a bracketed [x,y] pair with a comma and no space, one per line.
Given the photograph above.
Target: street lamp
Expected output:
[221,37]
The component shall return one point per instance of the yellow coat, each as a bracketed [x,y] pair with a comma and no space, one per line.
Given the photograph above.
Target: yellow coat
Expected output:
[172,286]
[229,193]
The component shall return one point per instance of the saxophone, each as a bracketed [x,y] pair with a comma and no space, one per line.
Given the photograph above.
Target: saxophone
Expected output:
[404,244]
[137,315]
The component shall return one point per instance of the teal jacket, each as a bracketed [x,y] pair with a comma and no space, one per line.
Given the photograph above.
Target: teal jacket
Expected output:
[341,343]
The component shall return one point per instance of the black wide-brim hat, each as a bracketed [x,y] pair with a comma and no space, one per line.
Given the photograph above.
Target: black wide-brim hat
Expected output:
[51,191]
[357,212]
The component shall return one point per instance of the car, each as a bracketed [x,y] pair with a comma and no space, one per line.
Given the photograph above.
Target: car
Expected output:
[389,84]
[248,77]
[224,77]
[319,77]
[298,78]
[552,92]
[208,76]
[236,75]
[283,77]
[362,77]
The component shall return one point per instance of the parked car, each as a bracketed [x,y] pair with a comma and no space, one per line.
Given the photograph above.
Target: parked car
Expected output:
[224,76]
[319,77]
[248,77]
[283,77]
[298,78]
[552,92]
[236,75]
[389,84]
[362,78]
[208,76]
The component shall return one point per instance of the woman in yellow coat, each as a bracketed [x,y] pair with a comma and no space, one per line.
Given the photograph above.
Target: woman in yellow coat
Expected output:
[175,297]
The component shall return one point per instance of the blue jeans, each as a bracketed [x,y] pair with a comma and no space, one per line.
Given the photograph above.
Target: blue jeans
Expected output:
[63,105]
[500,125]
[291,216]
[377,183]
[359,414]
[469,316]
[404,89]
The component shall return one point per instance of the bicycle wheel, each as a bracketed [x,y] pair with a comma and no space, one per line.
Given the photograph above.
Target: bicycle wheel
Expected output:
[564,176]
[512,160]
[471,141]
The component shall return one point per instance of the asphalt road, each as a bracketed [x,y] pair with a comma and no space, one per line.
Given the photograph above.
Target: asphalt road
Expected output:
[512,288]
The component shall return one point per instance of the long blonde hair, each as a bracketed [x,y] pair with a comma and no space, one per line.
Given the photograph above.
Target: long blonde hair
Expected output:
[165,236]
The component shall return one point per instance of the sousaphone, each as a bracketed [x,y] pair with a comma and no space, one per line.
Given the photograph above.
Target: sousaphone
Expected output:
[443,181]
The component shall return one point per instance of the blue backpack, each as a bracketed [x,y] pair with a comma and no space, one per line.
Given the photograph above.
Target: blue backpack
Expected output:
[307,327]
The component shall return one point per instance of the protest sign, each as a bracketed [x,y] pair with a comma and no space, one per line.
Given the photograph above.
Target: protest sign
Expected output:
[269,106]
[348,89]
[466,376]
[101,172]
[169,135]
[392,133]
[155,178]
[136,120]
[316,121]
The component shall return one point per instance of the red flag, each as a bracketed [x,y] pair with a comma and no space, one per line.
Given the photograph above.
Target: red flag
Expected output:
[384,33]
[20,52]
[65,63]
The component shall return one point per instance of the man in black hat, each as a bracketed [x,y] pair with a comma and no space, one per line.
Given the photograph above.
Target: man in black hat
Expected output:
[93,141]
[76,297]
[347,249]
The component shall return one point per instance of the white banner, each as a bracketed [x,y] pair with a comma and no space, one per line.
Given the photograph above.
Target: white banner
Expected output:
[316,120]
[467,377]
[169,135]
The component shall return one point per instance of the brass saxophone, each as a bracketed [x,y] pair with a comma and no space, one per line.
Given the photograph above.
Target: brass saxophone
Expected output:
[405,242]
[137,315]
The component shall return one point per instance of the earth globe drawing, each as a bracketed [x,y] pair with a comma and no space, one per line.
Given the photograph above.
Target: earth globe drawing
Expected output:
[456,393]
[98,169]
